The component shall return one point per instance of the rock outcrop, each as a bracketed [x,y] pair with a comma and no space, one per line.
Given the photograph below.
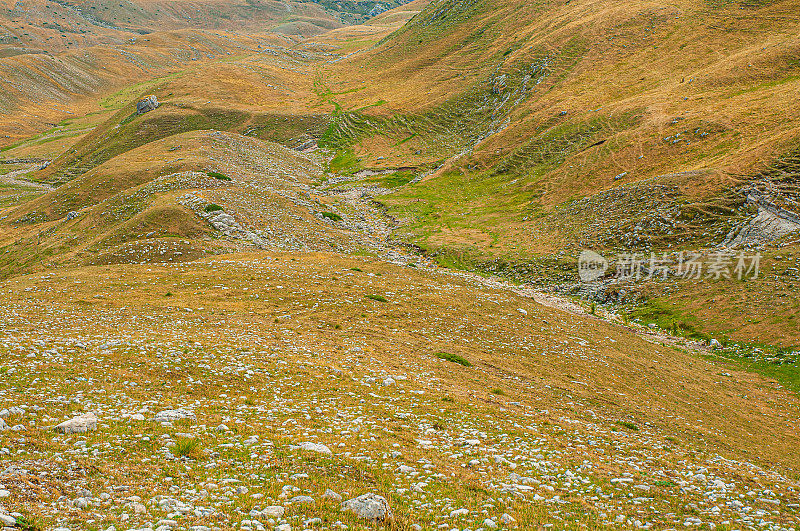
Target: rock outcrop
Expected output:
[81,424]
[147,104]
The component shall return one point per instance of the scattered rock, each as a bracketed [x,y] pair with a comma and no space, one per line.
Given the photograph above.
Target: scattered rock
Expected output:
[147,104]
[315,447]
[369,506]
[332,495]
[273,511]
[173,415]
[81,424]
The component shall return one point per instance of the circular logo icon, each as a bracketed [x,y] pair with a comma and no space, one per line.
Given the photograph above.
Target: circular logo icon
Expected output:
[591,266]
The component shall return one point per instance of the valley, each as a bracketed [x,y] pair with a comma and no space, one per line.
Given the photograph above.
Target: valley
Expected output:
[328,277]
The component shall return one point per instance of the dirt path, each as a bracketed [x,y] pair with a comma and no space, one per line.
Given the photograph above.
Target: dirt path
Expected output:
[15,178]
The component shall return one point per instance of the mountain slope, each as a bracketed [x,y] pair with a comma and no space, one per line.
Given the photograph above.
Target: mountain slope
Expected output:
[541,129]
[230,311]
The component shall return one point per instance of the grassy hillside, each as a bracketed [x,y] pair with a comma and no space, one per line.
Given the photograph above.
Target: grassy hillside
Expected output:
[252,294]
[553,412]
[58,58]
[39,25]
[359,11]
[541,129]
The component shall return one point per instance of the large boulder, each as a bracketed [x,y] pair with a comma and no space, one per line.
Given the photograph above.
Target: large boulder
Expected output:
[80,424]
[147,104]
[370,507]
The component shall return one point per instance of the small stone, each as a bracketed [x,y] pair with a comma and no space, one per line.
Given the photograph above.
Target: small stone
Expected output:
[302,499]
[332,495]
[314,447]
[81,503]
[172,415]
[7,520]
[273,511]
[490,523]
[506,519]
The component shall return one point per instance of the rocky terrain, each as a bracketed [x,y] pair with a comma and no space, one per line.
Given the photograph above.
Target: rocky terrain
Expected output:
[217,401]
[256,276]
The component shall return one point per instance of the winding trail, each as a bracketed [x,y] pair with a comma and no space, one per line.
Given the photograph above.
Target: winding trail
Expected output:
[15,178]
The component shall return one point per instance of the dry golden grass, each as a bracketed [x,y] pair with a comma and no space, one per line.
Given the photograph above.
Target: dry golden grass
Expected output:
[296,318]
[126,312]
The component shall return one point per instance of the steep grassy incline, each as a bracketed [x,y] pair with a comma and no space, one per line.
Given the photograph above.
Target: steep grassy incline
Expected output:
[531,105]
[175,199]
[537,129]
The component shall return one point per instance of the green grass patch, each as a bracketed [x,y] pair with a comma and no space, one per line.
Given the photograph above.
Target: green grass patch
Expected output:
[28,523]
[667,317]
[219,176]
[187,448]
[379,298]
[213,208]
[629,425]
[454,358]
[133,92]
[345,161]
[332,216]
[397,179]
